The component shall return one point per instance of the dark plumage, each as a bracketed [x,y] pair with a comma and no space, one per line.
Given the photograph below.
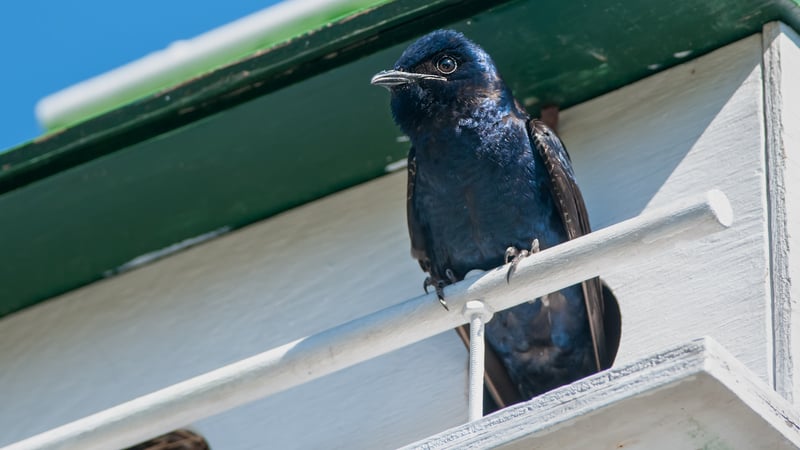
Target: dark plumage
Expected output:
[483,177]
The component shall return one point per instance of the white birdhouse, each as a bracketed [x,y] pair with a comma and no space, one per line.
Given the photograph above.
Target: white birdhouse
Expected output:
[260,204]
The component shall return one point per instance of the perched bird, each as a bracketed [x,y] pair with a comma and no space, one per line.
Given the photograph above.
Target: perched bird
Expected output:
[486,183]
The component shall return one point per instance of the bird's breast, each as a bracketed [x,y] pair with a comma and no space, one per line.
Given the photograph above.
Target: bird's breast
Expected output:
[476,201]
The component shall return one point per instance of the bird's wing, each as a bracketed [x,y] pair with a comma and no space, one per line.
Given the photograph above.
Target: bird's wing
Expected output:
[569,202]
[415,227]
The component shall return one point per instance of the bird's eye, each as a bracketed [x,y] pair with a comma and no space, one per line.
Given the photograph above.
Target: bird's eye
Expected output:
[446,65]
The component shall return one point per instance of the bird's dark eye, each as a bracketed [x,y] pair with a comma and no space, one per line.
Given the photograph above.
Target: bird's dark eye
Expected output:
[446,65]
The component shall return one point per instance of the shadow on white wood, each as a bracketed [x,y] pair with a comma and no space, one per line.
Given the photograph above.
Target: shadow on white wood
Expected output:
[291,276]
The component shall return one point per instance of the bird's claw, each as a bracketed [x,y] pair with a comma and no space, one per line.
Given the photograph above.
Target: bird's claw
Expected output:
[438,285]
[515,255]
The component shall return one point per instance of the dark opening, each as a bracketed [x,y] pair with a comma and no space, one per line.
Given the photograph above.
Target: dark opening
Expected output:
[498,386]
[174,440]
[612,322]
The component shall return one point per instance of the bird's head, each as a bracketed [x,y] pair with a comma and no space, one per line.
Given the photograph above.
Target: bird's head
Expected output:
[440,76]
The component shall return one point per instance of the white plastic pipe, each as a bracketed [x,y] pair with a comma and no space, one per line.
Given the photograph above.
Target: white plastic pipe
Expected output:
[389,329]
[476,369]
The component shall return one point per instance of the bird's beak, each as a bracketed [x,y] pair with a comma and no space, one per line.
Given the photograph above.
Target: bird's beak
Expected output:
[392,78]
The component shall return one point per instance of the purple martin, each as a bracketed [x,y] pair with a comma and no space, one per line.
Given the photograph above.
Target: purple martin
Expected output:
[488,185]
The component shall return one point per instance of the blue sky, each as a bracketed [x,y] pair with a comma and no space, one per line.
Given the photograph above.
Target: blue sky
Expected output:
[49,45]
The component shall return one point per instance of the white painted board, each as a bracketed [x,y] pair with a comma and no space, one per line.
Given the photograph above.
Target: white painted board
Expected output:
[692,396]
[782,108]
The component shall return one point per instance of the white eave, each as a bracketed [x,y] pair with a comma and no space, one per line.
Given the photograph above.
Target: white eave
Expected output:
[692,396]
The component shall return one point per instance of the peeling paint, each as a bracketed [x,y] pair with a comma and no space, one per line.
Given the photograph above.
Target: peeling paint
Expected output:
[147,258]
[598,56]
[395,166]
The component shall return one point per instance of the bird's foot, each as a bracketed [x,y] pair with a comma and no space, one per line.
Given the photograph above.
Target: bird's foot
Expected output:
[439,286]
[515,255]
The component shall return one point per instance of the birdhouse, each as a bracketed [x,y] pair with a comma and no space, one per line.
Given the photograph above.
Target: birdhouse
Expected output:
[224,250]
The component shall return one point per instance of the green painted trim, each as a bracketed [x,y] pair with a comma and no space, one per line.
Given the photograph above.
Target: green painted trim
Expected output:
[281,66]
[295,123]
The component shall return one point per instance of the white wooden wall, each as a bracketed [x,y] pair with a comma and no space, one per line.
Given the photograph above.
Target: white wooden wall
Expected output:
[683,131]
[293,275]
[695,127]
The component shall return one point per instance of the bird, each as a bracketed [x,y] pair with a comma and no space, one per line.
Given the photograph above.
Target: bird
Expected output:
[487,186]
